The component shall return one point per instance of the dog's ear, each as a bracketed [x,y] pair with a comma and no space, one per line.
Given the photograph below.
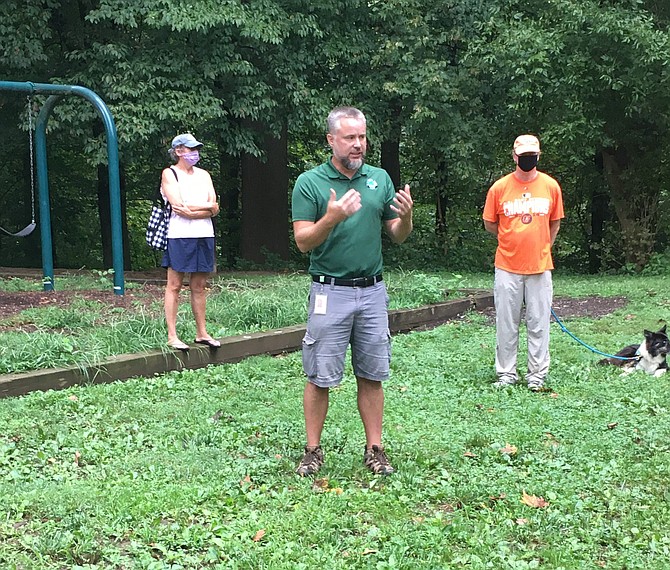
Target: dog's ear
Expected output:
[662,331]
[648,334]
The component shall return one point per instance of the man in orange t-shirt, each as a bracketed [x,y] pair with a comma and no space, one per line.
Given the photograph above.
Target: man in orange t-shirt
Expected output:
[523,210]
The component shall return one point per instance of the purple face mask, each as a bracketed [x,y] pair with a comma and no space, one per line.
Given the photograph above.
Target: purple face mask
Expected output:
[191,158]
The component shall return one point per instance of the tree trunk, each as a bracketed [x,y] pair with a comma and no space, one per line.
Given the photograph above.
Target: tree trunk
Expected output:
[104,212]
[599,211]
[636,210]
[441,201]
[391,146]
[228,223]
[391,160]
[265,201]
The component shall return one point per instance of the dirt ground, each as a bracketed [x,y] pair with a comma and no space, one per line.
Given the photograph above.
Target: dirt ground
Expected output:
[566,307]
[12,303]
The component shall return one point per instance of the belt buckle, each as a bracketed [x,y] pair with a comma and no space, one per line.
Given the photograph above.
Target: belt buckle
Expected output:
[359,281]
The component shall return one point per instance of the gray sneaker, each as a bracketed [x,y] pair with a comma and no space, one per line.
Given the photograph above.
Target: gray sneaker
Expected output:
[376,461]
[504,382]
[536,384]
[311,461]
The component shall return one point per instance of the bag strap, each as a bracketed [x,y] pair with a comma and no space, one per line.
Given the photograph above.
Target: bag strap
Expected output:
[158,197]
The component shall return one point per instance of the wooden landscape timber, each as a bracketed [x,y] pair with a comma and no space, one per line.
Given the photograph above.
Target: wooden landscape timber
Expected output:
[233,349]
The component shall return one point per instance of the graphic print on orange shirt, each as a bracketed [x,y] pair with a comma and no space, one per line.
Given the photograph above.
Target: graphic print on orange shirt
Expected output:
[526,205]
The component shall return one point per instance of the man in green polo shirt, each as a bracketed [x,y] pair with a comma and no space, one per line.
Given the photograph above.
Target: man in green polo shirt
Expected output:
[339,209]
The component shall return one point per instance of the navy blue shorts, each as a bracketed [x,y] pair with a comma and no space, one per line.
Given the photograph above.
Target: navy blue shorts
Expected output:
[190,255]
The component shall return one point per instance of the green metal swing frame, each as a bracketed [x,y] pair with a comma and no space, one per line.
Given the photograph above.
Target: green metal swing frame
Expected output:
[55,92]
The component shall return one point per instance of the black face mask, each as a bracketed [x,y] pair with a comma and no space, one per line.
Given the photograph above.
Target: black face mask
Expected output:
[527,162]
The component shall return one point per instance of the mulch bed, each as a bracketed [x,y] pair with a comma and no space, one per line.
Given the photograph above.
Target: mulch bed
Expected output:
[566,307]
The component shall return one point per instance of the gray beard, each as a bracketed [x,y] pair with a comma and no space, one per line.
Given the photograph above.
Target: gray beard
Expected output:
[352,164]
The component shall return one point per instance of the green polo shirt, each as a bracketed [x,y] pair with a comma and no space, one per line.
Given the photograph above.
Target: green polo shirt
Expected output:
[354,247]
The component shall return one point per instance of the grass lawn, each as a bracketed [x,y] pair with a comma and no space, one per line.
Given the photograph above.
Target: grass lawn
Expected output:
[195,469]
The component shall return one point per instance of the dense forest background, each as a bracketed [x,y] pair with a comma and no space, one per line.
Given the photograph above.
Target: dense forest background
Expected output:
[446,87]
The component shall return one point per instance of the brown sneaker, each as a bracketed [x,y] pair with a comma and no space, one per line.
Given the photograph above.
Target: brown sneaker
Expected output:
[311,461]
[376,461]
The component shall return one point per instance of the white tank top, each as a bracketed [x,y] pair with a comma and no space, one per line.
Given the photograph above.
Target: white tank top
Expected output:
[194,189]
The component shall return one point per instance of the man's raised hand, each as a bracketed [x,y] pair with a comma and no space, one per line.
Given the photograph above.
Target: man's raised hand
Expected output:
[346,206]
[403,203]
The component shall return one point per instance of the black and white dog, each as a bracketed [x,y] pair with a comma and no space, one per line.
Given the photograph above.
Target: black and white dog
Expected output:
[649,356]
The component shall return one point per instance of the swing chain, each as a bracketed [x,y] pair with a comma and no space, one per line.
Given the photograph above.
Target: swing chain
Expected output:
[32,158]
[31,226]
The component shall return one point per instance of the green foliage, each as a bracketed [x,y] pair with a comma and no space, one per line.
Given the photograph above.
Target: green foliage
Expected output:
[422,249]
[454,82]
[411,288]
[464,243]
[137,216]
[658,265]
[589,79]
[25,47]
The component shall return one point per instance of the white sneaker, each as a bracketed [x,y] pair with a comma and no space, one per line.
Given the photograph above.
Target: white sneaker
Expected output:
[504,382]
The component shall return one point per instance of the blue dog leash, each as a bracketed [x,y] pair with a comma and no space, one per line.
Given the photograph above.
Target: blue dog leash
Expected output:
[565,330]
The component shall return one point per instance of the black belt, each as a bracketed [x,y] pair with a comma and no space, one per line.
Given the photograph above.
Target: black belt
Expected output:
[355,282]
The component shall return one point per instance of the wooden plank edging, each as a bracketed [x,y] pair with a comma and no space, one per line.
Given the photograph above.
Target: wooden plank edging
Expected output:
[233,349]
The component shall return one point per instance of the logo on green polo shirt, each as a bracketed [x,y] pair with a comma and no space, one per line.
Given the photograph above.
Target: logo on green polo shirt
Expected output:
[371,183]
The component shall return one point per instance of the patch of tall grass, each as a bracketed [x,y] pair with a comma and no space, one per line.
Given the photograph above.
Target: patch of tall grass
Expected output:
[86,332]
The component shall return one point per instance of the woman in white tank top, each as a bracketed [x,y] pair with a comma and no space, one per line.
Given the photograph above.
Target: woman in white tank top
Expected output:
[190,236]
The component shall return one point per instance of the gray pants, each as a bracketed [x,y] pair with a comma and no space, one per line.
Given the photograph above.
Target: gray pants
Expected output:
[511,291]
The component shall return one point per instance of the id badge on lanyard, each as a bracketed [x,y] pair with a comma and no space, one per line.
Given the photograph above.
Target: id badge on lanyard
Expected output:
[320,304]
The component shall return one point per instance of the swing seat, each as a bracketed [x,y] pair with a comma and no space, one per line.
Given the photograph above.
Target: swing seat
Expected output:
[21,233]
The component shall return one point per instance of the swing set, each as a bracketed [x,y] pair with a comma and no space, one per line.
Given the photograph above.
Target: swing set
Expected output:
[39,160]
[31,226]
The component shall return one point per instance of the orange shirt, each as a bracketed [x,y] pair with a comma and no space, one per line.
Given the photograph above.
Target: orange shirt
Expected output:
[523,211]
